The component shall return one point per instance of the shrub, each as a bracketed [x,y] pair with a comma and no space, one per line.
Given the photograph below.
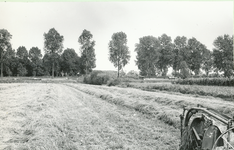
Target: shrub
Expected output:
[96,79]
[105,79]
[87,79]
[113,82]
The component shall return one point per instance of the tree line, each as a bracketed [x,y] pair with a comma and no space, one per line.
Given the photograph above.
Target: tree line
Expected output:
[154,56]
[55,62]
[185,56]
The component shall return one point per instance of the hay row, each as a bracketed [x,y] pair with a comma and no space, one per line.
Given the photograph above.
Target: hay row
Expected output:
[150,109]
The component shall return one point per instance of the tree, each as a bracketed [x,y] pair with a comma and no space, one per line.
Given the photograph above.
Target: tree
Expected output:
[35,57]
[22,53]
[179,52]
[49,62]
[70,62]
[184,70]
[5,38]
[196,50]
[53,45]
[223,54]
[23,61]
[21,70]
[88,57]
[207,62]
[147,55]
[119,54]
[166,53]
[10,62]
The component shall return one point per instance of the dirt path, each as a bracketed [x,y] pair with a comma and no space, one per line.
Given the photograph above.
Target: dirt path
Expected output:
[56,116]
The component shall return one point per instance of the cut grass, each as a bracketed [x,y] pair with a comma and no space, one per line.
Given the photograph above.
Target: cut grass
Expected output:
[129,97]
[55,116]
[39,80]
[149,108]
[227,93]
[77,116]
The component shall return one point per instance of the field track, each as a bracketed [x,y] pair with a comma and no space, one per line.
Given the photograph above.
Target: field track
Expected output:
[78,116]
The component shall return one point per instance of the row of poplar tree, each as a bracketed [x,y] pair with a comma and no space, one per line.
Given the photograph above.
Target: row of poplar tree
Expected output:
[55,62]
[154,55]
[186,56]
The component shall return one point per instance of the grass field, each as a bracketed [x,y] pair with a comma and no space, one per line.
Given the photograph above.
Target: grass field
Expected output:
[225,92]
[69,115]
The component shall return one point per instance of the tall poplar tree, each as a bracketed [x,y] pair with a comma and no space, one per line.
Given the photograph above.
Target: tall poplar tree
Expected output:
[53,45]
[5,38]
[119,54]
[88,57]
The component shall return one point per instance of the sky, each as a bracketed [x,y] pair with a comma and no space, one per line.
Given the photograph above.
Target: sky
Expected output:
[28,21]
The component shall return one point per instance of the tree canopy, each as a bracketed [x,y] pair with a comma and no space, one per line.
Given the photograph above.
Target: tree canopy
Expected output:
[179,51]
[35,57]
[88,57]
[53,45]
[5,38]
[119,54]
[166,53]
[154,56]
[223,54]
[147,55]
[23,61]
[70,62]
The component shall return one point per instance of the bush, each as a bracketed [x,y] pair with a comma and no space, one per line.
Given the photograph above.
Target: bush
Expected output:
[96,79]
[113,82]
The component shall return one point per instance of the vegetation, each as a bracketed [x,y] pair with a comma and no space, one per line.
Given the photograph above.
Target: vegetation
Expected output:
[53,46]
[147,55]
[166,54]
[62,116]
[119,54]
[5,44]
[207,81]
[96,79]
[162,106]
[223,55]
[187,57]
[36,61]
[155,55]
[70,62]
[216,91]
[88,60]
[184,73]
[113,82]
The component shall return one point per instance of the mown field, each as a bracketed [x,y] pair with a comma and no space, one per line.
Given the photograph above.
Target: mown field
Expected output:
[69,115]
[224,92]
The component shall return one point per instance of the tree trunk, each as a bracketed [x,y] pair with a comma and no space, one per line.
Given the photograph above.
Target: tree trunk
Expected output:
[207,73]
[86,62]
[53,70]
[1,65]
[118,70]
[86,70]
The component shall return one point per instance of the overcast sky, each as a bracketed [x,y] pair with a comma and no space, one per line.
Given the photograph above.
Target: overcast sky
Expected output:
[27,22]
